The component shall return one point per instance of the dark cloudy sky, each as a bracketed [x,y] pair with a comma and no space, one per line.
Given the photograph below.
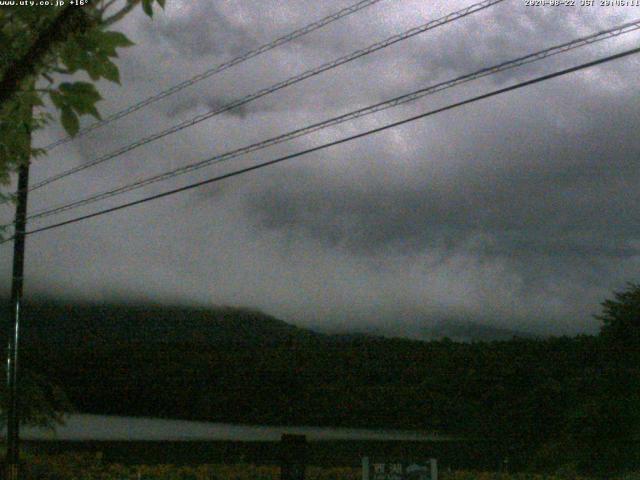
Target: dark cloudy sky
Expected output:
[520,211]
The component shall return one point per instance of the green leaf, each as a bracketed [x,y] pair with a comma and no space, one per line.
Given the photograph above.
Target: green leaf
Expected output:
[111,72]
[94,70]
[80,95]
[93,111]
[57,99]
[69,121]
[83,89]
[72,55]
[161,3]
[78,98]
[147,7]
[114,40]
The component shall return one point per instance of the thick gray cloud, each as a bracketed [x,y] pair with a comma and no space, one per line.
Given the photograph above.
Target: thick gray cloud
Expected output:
[519,211]
[221,32]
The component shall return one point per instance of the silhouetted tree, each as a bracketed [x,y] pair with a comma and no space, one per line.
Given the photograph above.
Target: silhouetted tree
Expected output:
[621,317]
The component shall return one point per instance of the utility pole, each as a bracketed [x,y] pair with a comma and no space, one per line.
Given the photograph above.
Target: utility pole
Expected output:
[70,21]
[13,404]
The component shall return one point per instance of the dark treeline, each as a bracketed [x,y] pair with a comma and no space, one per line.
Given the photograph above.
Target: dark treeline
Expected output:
[546,403]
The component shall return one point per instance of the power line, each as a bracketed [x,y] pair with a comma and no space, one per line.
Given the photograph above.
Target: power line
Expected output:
[524,60]
[278,86]
[218,178]
[220,68]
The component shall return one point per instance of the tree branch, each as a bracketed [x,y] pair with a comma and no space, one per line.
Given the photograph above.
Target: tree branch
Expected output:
[131,4]
[106,6]
[72,20]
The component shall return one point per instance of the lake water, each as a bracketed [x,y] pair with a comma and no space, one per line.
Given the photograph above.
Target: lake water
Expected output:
[105,427]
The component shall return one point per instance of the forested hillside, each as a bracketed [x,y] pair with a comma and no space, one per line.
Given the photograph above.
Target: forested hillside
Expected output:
[546,401]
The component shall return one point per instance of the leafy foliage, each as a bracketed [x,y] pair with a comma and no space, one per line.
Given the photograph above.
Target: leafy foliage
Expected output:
[621,317]
[91,51]
[74,99]
[42,403]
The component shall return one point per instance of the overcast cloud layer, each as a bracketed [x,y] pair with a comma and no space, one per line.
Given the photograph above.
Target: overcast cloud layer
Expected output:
[520,211]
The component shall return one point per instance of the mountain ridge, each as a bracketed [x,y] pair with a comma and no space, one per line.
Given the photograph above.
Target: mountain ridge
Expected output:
[69,322]
[110,323]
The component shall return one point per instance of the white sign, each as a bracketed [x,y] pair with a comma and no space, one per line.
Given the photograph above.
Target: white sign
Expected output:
[382,469]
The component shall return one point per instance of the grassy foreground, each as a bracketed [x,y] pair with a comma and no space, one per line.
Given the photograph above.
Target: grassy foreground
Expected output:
[75,466]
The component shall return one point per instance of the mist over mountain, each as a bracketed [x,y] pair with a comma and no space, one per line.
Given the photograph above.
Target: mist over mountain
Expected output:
[56,322]
[60,322]
[469,331]
[429,329]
